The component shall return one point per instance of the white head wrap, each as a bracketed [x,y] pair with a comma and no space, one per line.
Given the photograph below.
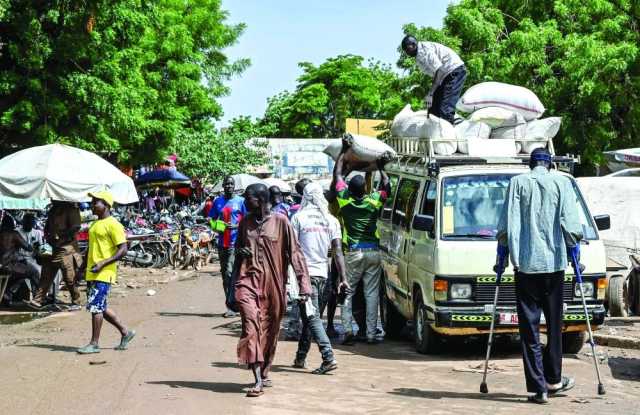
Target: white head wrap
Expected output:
[313,197]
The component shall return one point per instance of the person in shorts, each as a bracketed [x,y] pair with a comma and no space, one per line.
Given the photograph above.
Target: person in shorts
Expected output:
[107,244]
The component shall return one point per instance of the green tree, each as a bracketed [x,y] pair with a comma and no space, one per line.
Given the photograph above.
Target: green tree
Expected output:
[212,155]
[580,57]
[339,88]
[123,78]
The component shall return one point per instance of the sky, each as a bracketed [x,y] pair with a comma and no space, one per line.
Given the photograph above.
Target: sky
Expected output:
[281,33]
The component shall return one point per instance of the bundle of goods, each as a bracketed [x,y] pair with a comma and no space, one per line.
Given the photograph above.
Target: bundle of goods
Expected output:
[421,124]
[363,152]
[496,111]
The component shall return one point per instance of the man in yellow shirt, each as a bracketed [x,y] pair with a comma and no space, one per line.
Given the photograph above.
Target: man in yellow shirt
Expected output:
[107,244]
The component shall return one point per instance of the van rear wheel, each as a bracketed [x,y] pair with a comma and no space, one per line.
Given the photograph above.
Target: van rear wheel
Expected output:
[427,341]
[392,321]
[572,342]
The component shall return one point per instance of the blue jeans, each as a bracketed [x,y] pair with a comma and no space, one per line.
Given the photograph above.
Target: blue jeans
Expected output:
[312,326]
[446,96]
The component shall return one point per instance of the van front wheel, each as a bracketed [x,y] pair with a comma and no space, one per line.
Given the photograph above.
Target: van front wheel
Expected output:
[392,322]
[426,339]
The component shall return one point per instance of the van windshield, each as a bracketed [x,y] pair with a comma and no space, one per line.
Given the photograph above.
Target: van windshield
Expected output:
[471,206]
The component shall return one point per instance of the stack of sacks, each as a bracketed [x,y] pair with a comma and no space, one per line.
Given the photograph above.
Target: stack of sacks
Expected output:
[421,124]
[511,112]
[363,152]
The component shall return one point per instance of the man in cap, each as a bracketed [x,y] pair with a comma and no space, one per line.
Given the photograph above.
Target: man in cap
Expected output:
[539,229]
[447,70]
[226,214]
[107,244]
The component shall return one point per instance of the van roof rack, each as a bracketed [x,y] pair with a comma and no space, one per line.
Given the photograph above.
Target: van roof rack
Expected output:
[420,152]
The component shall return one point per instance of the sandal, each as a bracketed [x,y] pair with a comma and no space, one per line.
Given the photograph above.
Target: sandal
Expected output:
[326,367]
[267,383]
[567,383]
[254,392]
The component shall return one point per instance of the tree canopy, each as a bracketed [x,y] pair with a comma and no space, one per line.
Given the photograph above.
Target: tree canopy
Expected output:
[580,57]
[123,78]
[325,95]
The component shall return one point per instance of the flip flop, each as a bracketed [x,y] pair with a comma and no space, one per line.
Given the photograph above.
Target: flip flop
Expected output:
[124,342]
[254,393]
[567,384]
[326,367]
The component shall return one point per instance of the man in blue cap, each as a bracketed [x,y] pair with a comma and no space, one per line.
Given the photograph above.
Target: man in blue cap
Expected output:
[539,229]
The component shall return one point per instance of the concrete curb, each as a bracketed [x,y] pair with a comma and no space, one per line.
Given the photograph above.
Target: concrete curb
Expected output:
[616,341]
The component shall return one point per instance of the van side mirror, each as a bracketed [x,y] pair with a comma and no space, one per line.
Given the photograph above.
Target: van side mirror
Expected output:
[603,222]
[386,213]
[423,223]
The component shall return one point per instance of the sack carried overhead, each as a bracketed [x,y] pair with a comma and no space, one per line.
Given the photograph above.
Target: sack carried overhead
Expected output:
[363,152]
[497,94]
[470,130]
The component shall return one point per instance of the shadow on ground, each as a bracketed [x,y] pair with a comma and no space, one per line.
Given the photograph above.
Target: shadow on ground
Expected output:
[219,387]
[53,347]
[274,368]
[179,314]
[498,397]
[625,368]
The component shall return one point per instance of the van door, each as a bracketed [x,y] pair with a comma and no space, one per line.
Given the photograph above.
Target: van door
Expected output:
[403,211]
[422,245]
[389,262]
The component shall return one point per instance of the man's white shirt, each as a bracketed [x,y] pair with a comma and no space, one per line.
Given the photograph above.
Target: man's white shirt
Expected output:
[315,234]
[433,57]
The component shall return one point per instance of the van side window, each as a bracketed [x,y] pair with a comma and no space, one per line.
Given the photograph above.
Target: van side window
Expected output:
[429,203]
[385,213]
[405,202]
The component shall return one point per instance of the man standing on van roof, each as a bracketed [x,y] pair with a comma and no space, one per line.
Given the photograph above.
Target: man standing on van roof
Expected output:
[539,228]
[359,213]
[447,70]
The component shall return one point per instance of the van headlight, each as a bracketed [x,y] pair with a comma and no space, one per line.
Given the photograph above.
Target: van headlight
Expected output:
[588,290]
[461,291]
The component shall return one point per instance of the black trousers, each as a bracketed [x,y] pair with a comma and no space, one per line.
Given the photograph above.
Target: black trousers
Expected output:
[446,96]
[540,293]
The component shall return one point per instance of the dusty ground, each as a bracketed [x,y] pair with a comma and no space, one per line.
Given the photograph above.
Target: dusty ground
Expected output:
[183,362]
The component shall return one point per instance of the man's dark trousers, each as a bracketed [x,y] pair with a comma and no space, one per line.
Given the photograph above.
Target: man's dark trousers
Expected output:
[540,293]
[446,96]
[227,258]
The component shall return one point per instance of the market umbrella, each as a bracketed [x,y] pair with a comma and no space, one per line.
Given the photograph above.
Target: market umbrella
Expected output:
[12,203]
[163,178]
[61,172]
[242,181]
[281,184]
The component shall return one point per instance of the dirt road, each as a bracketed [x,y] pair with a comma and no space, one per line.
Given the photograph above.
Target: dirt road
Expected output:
[183,362]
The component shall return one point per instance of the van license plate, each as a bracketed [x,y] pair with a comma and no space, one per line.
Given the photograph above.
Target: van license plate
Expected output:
[512,319]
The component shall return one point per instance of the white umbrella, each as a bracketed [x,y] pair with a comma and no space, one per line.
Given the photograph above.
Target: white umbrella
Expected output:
[61,172]
[242,181]
[279,183]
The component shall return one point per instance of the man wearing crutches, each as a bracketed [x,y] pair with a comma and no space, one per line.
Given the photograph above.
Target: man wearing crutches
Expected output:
[539,229]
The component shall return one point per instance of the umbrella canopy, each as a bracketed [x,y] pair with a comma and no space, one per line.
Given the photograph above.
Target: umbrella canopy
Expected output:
[242,181]
[281,184]
[61,172]
[163,178]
